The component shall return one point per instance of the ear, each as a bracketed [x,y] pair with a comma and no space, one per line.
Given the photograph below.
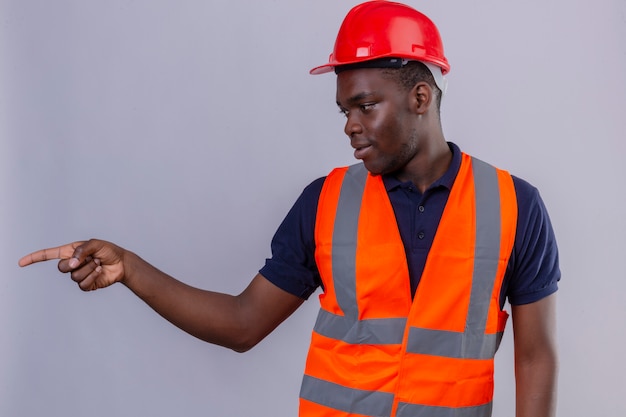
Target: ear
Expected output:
[422,96]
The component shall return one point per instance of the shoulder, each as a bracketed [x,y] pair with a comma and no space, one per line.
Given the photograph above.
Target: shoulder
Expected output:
[527,194]
[311,193]
[302,214]
[533,215]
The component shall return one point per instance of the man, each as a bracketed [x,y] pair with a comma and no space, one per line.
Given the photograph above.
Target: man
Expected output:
[416,249]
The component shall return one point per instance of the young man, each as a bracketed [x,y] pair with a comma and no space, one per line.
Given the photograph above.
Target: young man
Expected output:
[416,249]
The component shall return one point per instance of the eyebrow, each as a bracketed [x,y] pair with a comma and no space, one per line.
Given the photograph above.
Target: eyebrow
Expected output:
[358,97]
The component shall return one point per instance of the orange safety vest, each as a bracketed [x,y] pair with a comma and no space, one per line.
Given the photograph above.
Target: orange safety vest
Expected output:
[375,351]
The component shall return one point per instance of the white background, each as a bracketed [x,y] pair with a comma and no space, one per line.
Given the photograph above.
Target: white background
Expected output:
[185,130]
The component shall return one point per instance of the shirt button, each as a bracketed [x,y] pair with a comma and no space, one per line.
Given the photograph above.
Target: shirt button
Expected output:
[420,235]
[421,209]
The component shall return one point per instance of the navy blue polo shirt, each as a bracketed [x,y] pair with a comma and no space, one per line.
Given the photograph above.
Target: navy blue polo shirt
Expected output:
[532,272]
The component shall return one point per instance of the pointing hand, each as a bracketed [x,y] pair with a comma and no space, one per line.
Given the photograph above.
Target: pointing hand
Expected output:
[93,264]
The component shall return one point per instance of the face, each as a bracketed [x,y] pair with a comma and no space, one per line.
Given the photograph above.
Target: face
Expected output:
[379,120]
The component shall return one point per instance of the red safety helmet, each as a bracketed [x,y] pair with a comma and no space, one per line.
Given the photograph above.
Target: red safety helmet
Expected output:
[384,29]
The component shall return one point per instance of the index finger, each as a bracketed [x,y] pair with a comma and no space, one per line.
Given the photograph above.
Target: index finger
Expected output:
[59,252]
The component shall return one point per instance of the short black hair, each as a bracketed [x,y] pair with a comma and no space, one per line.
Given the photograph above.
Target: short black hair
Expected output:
[410,74]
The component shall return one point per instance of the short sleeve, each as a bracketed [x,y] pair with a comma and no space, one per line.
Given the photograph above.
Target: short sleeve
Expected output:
[533,271]
[292,265]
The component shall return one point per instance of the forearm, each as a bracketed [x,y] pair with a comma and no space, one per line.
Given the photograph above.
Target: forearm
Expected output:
[536,386]
[237,322]
[536,358]
[210,316]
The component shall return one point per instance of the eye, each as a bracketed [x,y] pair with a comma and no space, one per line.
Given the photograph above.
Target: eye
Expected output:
[367,107]
[343,112]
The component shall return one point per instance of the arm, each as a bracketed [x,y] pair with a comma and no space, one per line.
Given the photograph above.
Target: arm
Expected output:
[237,322]
[536,362]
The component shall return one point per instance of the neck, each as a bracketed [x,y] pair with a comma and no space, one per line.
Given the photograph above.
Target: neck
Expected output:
[428,165]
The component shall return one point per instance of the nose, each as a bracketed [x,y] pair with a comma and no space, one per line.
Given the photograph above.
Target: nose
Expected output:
[353,125]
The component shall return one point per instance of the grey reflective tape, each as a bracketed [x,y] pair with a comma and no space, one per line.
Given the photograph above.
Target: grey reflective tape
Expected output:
[348,400]
[453,344]
[416,410]
[473,343]
[345,237]
[498,340]
[487,251]
[370,331]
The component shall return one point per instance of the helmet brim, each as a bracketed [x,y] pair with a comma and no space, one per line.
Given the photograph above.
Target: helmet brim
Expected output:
[322,69]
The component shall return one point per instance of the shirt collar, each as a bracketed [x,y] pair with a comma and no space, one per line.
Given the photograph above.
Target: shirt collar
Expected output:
[446,180]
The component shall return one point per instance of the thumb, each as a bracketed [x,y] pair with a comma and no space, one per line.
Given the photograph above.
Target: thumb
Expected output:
[82,253]
[73,262]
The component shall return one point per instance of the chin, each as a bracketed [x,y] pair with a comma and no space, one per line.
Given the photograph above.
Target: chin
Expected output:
[376,170]
[372,170]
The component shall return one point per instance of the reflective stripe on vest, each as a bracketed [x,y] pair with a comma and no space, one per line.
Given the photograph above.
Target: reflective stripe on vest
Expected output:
[344,238]
[348,400]
[347,328]
[472,345]
[377,404]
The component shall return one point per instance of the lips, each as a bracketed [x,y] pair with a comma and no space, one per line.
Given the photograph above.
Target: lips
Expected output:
[361,151]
